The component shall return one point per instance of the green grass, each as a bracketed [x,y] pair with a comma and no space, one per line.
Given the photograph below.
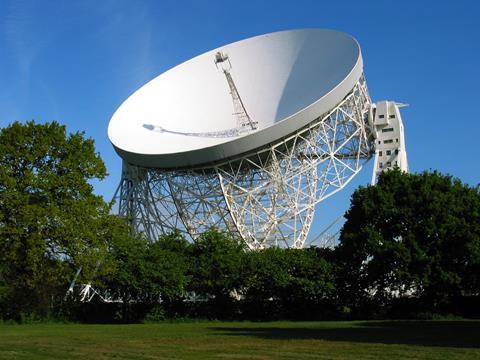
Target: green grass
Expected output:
[245,340]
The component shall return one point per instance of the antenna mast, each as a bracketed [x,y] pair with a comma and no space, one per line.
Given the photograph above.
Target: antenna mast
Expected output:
[244,122]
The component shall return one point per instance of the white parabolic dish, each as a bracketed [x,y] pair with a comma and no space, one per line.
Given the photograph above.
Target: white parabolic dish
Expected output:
[285,80]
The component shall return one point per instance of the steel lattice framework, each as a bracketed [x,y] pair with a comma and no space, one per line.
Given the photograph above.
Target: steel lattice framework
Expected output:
[266,197]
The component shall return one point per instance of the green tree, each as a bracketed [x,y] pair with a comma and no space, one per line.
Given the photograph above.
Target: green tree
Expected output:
[144,274]
[215,263]
[310,276]
[49,216]
[174,242]
[287,282]
[415,234]
[215,269]
[267,275]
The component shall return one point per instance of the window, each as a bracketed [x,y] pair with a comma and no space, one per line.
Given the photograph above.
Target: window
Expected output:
[387,130]
[380,165]
[388,141]
[381,116]
[389,164]
[396,140]
[392,116]
[396,162]
[379,142]
[389,152]
[380,153]
[396,151]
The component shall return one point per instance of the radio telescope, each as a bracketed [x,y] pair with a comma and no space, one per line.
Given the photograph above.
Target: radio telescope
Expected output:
[250,137]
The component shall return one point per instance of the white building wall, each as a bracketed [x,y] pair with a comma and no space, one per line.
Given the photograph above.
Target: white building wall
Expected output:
[388,130]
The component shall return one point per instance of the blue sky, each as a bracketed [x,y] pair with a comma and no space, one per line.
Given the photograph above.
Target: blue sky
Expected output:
[77,61]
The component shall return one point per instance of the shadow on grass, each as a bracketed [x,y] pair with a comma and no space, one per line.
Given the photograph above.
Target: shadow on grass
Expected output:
[461,334]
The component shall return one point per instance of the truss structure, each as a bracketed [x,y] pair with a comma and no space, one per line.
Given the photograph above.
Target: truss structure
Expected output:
[266,197]
[244,123]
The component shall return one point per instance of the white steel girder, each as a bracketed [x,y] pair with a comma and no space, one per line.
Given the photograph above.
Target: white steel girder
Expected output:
[266,197]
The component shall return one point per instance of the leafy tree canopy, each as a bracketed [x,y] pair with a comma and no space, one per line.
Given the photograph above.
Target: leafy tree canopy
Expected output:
[412,234]
[216,263]
[50,219]
[145,272]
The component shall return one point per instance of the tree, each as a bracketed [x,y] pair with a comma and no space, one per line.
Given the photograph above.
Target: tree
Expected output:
[310,277]
[215,269]
[287,282]
[50,220]
[144,274]
[411,234]
[216,260]
[174,242]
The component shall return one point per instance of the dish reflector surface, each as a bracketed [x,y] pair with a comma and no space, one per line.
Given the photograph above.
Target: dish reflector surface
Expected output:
[189,115]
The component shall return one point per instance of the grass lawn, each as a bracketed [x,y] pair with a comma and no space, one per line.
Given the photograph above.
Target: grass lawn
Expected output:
[245,340]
